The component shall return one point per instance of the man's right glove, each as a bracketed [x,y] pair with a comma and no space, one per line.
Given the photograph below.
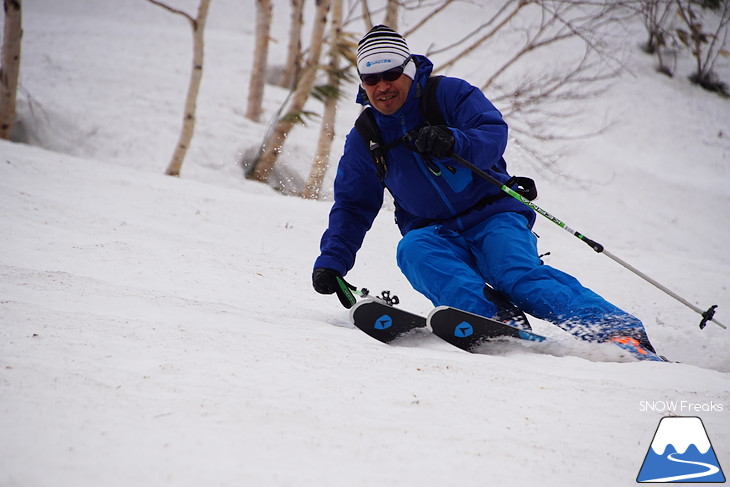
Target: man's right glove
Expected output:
[436,140]
[327,281]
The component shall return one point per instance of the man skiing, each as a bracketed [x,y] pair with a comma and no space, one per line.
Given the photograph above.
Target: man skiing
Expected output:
[462,240]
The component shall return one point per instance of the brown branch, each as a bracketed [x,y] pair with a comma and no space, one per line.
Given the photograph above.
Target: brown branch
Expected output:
[485,37]
[428,17]
[176,11]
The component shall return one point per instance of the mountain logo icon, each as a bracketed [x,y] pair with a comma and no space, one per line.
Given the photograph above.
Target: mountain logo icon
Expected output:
[681,452]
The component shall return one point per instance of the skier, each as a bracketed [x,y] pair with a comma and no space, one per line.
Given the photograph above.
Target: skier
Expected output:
[462,240]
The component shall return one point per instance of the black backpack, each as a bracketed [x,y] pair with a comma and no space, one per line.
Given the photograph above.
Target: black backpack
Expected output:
[369,131]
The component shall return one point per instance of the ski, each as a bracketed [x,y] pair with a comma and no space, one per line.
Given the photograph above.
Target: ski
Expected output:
[468,331]
[462,329]
[383,321]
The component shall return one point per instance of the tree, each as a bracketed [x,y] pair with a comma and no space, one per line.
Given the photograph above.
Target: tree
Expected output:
[258,73]
[532,94]
[293,65]
[704,45]
[391,14]
[331,95]
[366,15]
[10,65]
[658,16]
[186,134]
[271,148]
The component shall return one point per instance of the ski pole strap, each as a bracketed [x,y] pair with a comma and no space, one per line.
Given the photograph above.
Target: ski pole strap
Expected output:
[344,293]
[524,186]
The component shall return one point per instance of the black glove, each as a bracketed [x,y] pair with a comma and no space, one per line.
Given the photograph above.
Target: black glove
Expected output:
[325,280]
[437,140]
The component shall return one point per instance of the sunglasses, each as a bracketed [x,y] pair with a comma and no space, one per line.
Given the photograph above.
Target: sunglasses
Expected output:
[390,75]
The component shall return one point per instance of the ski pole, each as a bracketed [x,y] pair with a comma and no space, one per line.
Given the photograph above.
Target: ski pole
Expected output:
[707,315]
[346,293]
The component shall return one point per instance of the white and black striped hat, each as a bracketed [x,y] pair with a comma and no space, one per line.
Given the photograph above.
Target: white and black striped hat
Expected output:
[382,49]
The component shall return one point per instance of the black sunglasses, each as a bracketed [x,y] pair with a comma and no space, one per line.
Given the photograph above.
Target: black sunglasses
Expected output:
[389,75]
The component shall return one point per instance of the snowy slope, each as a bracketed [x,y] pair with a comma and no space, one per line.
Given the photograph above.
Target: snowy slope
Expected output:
[161,331]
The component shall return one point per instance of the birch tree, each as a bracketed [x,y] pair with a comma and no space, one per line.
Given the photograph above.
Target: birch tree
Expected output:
[366,15]
[293,65]
[258,72]
[327,132]
[272,146]
[10,65]
[186,134]
[391,14]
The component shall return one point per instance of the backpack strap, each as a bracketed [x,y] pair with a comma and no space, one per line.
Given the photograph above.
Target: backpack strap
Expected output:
[370,132]
[429,103]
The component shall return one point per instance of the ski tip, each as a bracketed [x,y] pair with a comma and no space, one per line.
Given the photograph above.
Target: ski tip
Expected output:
[359,304]
[433,312]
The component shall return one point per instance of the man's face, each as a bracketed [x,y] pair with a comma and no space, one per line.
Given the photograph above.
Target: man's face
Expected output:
[388,96]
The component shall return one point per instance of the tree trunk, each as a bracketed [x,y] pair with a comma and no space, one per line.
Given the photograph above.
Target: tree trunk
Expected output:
[186,134]
[293,65]
[10,67]
[366,15]
[327,133]
[272,146]
[258,72]
[391,14]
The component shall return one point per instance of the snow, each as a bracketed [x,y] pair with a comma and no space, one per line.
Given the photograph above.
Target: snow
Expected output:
[680,433]
[163,331]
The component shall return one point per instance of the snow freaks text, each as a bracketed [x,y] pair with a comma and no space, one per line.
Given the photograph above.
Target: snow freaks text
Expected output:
[680,407]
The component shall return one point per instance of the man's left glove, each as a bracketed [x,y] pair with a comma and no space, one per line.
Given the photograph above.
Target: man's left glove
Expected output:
[437,140]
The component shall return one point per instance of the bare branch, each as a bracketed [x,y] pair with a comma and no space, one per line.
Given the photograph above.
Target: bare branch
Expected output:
[487,36]
[192,21]
[432,14]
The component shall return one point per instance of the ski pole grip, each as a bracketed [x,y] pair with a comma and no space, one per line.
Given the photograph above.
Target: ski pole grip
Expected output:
[344,293]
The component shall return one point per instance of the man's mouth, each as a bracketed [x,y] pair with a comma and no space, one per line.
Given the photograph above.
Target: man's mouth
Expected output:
[386,97]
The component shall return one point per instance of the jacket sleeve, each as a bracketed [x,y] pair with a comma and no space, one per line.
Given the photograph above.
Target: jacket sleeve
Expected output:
[480,131]
[358,198]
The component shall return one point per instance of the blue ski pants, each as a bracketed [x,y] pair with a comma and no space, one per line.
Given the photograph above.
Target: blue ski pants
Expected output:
[452,269]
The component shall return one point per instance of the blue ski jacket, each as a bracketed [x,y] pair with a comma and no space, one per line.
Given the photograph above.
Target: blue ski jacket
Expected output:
[426,192]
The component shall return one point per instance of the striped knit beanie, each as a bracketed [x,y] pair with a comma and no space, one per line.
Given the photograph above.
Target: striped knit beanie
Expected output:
[382,49]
